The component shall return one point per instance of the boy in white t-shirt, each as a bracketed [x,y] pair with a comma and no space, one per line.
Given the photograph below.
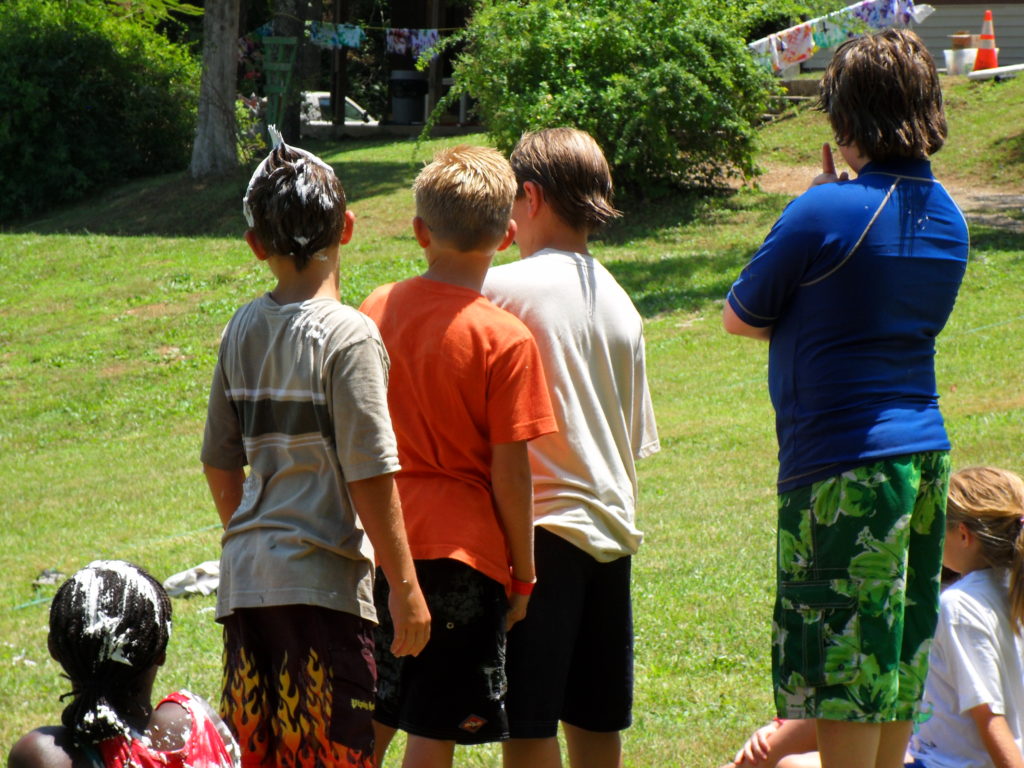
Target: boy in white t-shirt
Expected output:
[571,658]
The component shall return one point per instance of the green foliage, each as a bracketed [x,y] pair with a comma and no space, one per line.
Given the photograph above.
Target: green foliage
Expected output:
[667,88]
[88,98]
[150,12]
[760,19]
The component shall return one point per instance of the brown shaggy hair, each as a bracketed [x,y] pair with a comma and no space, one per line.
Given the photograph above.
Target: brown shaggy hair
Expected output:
[882,92]
[297,204]
[573,172]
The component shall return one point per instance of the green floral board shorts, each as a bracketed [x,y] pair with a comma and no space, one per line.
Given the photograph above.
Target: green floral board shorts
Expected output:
[857,601]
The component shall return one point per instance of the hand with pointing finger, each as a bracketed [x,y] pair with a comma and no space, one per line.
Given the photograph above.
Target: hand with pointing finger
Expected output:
[828,168]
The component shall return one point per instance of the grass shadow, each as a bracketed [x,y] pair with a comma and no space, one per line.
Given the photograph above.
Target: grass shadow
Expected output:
[687,282]
[985,238]
[176,205]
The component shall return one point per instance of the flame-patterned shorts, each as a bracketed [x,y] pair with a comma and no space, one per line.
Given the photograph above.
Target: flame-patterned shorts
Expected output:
[299,686]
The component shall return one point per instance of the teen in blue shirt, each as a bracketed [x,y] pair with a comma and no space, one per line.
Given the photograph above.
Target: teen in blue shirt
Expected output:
[851,287]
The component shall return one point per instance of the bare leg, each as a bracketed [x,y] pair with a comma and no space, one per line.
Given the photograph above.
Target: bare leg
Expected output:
[844,744]
[382,736]
[421,752]
[806,760]
[593,749]
[892,747]
[531,753]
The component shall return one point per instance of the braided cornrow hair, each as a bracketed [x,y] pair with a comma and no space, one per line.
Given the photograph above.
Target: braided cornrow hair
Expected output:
[990,502]
[109,624]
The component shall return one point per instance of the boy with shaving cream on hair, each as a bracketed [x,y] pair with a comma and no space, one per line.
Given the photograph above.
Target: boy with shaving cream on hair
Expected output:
[109,627]
[299,396]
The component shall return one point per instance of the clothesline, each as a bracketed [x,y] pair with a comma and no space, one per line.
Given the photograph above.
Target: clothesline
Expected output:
[796,44]
[400,40]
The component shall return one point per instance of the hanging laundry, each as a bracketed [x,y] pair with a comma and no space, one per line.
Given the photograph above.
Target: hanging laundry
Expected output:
[795,44]
[398,41]
[791,46]
[327,35]
[422,40]
[829,34]
[765,52]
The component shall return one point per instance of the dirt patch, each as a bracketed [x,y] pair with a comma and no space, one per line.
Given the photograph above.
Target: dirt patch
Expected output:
[150,310]
[988,207]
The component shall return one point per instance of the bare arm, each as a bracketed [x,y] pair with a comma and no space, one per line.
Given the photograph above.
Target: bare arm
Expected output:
[732,323]
[996,736]
[513,497]
[772,742]
[226,489]
[376,502]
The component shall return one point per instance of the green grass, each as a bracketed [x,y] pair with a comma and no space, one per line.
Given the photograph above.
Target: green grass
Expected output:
[109,315]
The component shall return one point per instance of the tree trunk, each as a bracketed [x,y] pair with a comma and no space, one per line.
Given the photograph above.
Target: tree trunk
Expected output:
[214,150]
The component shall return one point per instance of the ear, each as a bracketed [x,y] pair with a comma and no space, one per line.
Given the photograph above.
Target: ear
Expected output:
[510,235]
[160,660]
[256,245]
[534,197]
[422,232]
[966,535]
[347,227]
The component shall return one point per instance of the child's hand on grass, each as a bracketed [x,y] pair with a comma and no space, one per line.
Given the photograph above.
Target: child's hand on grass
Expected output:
[756,748]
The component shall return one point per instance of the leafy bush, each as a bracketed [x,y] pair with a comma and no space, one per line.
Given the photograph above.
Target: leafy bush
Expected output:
[667,88]
[88,98]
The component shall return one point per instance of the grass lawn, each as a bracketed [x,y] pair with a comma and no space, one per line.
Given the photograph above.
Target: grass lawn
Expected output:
[109,318]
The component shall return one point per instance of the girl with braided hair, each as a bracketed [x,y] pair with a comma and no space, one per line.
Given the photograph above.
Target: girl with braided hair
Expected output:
[109,627]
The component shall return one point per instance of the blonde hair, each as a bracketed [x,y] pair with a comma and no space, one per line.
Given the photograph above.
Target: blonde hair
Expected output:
[990,502]
[572,170]
[465,196]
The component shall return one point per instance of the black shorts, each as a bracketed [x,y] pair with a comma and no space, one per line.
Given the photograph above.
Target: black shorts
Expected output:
[455,689]
[298,686]
[571,658]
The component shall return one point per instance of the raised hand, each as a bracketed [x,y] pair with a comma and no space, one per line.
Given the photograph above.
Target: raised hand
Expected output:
[828,168]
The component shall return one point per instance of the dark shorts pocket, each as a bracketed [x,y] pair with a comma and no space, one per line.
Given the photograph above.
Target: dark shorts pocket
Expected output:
[818,631]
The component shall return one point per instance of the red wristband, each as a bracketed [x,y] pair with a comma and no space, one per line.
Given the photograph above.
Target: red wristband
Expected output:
[522,587]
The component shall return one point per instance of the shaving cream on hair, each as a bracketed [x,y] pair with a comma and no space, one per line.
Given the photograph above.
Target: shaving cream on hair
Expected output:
[303,187]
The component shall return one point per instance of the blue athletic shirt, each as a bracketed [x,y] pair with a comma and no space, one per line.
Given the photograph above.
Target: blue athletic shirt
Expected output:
[856,279]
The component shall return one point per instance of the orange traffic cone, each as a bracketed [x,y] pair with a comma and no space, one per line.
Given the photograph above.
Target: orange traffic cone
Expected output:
[987,57]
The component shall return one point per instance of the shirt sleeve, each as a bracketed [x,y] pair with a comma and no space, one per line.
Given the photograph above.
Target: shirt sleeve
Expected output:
[518,405]
[358,385]
[222,436]
[643,431]
[766,284]
[973,662]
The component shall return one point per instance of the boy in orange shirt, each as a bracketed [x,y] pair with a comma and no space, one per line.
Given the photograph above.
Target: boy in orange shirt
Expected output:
[466,393]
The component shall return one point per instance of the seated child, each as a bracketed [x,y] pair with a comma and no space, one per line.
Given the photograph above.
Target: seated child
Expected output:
[466,393]
[973,706]
[109,626]
[974,693]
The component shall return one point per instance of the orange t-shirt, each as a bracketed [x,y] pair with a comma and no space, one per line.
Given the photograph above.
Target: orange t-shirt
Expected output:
[464,375]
